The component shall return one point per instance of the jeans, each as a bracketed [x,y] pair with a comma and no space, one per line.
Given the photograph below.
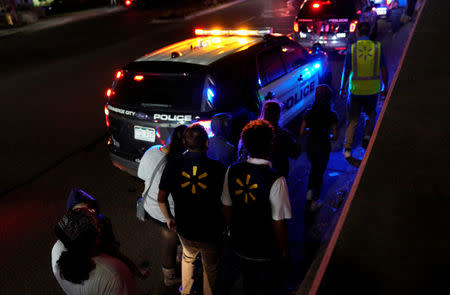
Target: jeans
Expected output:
[355,105]
[210,253]
[318,156]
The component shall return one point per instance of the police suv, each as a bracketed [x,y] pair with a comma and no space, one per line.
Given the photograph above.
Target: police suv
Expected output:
[232,71]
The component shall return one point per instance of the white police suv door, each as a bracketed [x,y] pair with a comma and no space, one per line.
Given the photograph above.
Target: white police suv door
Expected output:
[285,76]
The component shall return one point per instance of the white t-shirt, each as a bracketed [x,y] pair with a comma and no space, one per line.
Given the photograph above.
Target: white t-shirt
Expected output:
[147,165]
[109,277]
[279,195]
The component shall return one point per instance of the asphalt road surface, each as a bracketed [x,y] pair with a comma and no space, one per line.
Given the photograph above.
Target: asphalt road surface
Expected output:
[52,89]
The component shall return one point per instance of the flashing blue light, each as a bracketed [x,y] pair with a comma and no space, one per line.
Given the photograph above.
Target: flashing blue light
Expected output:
[210,95]
[317,65]
[259,81]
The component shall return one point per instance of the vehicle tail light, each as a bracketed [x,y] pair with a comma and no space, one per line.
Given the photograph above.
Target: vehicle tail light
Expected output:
[107,116]
[119,74]
[316,5]
[353,26]
[358,12]
[138,78]
[127,2]
[296,29]
[109,92]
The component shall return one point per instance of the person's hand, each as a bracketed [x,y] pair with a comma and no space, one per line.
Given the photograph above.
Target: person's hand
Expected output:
[171,224]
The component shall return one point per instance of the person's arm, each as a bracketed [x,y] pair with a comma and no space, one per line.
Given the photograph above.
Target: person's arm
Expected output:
[303,127]
[163,203]
[226,200]
[281,210]
[345,73]
[281,233]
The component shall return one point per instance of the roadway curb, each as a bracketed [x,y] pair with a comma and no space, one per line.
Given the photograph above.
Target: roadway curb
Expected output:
[58,20]
[195,14]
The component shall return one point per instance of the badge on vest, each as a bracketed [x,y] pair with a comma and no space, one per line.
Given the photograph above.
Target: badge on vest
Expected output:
[194,180]
[246,189]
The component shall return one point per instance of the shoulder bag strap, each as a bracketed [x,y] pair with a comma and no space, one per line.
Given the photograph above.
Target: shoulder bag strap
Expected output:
[162,161]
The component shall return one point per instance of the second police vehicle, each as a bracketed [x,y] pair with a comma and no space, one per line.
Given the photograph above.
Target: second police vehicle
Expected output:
[232,71]
[332,23]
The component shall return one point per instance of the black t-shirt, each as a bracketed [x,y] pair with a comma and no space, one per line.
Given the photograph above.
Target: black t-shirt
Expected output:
[284,147]
[319,124]
[195,182]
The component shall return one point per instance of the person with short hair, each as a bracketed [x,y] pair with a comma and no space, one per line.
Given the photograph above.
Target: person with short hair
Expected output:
[256,206]
[195,182]
[219,148]
[78,265]
[147,167]
[320,121]
[284,143]
[363,67]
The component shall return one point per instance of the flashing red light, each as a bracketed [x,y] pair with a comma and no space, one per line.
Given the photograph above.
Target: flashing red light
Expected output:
[358,12]
[119,74]
[128,3]
[107,116]
[340,48]
[316,5]
[109,92]
[138,78]
[353,26]
[296,29]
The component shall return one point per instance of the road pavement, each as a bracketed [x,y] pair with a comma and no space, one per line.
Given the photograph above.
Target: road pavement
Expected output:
[53,92]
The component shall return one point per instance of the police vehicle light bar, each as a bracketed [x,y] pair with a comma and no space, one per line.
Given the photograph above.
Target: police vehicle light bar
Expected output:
[262,32]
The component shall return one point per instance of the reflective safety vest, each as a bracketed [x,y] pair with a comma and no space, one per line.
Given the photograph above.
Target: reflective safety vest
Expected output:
[365,79]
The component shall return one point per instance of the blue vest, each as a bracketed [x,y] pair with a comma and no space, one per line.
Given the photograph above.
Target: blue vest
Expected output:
[252,233]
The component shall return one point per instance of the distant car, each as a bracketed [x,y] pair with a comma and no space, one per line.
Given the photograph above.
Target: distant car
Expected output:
[332,23]
[232,71]
[383,7]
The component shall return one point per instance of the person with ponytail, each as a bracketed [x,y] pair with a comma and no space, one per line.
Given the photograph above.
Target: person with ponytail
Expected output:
[79,266]
[318,122]
[147,167]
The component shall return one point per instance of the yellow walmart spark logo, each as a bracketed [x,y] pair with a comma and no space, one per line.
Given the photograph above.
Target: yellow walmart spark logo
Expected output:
[365,52]
[194,180]
[246,189]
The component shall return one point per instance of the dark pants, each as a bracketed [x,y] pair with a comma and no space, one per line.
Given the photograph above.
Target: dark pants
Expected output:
[318,155]
[410,7]
[263,278]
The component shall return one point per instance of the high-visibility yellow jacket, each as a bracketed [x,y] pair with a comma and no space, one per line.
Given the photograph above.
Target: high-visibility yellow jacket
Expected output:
[365,77]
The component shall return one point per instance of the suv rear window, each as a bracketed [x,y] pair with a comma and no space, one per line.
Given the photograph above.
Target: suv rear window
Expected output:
[327,9]
[180,90]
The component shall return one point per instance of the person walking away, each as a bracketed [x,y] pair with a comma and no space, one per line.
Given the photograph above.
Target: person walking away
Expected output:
[319,121]
[364,62]
[108,243]
[195,182]
[78,264]
[256,205]
[284,144]
[219,148]
[147,167]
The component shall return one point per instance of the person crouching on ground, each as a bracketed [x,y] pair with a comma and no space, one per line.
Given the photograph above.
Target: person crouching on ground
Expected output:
[79,266]
[147,167]
[256,206]
[195,182]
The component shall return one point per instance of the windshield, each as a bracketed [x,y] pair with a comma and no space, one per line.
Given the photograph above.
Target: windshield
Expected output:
[177,90]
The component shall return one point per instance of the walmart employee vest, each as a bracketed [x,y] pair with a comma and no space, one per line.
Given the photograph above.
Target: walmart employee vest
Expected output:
[365,68]
[252,232]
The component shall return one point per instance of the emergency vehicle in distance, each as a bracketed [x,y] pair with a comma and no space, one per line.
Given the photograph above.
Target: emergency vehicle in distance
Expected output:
[332,23]
[232,71]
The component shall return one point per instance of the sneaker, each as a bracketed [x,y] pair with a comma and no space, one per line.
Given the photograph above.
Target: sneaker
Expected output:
[347,153]
[365,142]
[316,205]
